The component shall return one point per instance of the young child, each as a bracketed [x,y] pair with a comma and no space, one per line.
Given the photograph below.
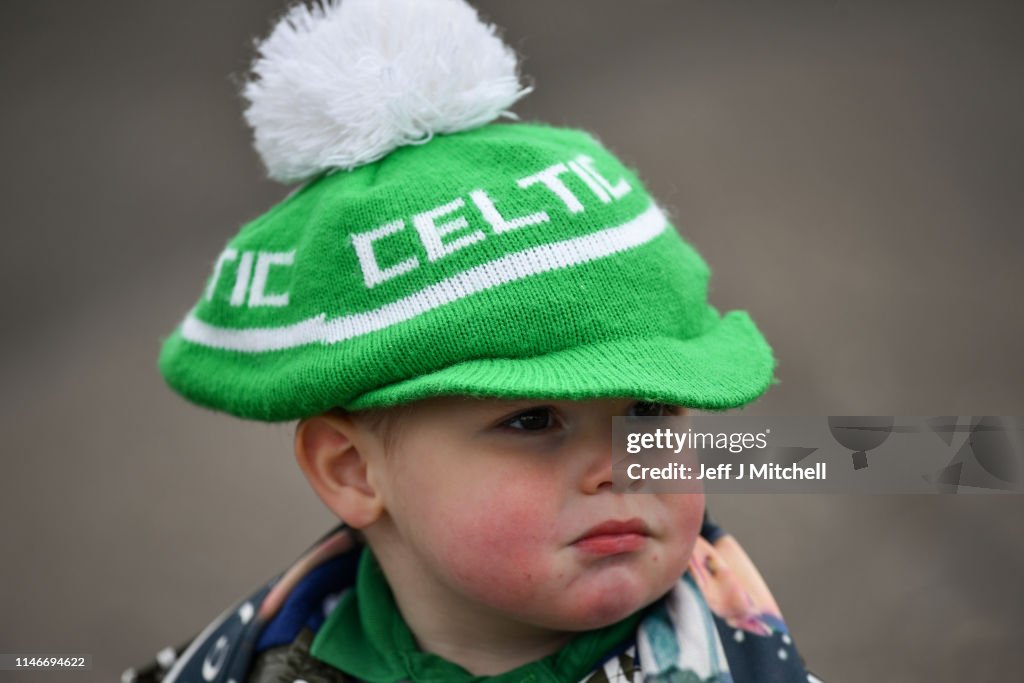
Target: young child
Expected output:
[454,310]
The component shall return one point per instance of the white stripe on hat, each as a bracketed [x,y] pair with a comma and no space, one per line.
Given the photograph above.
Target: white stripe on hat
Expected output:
[516,266]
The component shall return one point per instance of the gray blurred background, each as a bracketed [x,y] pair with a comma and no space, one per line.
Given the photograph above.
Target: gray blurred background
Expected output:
[851,171]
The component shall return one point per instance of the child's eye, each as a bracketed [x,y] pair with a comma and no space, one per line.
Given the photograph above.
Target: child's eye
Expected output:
[649,409]
[540,419]
[533,420]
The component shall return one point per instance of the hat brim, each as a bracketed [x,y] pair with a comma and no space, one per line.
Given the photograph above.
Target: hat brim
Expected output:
[728,366]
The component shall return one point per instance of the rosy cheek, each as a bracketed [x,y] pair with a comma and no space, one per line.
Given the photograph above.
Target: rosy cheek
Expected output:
[500,551]
[686,513]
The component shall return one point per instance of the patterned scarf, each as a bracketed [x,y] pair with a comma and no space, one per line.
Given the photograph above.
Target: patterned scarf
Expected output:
[718,624]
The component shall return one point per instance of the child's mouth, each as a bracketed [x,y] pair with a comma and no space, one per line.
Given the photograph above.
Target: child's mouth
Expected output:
[613,537]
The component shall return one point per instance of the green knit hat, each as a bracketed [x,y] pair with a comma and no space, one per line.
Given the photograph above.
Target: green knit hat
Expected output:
[506,260]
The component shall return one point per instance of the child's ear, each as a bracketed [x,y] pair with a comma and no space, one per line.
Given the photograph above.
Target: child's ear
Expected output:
[328,449]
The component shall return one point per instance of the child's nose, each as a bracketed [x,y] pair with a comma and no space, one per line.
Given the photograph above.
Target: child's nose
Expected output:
[596,476]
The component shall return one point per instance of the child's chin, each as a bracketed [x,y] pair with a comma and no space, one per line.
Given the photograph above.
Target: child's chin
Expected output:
[602,610]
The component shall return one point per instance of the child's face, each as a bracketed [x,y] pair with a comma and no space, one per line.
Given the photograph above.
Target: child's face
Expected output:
[489,500]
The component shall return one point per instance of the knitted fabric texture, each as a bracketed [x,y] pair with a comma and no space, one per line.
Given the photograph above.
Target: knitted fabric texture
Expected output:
[511,261]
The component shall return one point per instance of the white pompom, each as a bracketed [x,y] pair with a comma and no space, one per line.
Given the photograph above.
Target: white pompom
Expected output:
[342,84]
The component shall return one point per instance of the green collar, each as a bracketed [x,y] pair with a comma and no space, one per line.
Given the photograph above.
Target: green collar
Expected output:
[366,636]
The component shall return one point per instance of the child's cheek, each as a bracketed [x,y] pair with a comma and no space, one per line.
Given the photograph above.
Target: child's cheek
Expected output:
[687,511]
[501,548]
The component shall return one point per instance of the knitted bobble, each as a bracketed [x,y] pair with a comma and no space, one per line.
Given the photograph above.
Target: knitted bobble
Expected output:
[343,83]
